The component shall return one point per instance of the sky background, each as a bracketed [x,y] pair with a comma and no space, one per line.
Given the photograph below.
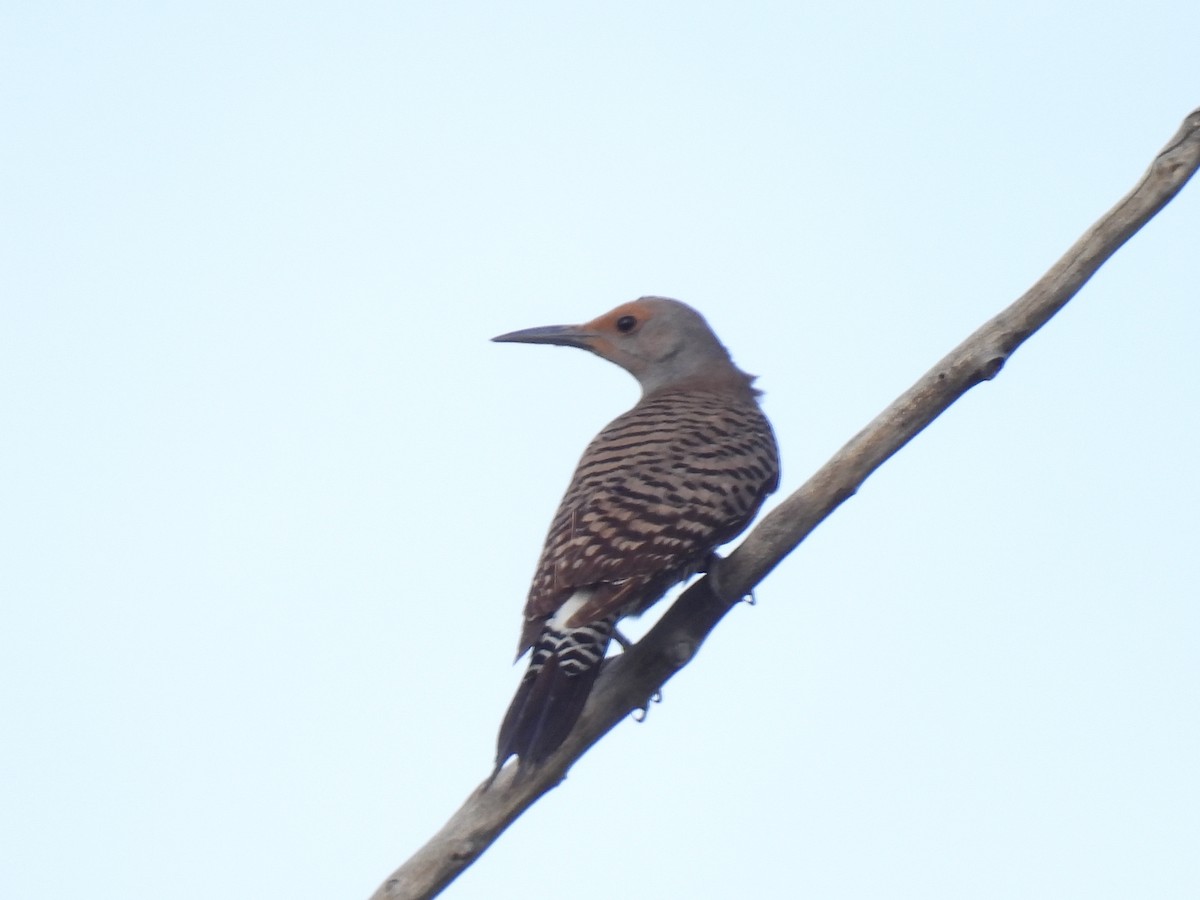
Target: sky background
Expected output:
[270,501]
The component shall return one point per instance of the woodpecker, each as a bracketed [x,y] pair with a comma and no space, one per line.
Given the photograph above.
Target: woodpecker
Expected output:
[655,493]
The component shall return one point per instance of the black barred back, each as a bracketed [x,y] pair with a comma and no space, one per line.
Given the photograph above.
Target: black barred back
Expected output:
[655,493]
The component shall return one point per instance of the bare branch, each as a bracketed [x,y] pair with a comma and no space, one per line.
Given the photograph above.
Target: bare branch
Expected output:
[629,680]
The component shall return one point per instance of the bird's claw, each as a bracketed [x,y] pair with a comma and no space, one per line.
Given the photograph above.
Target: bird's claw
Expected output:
[639,714]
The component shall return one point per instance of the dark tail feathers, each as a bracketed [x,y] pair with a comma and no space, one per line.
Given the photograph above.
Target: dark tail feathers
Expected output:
[562,670]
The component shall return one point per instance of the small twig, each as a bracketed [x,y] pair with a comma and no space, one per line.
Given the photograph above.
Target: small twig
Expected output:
[629,680]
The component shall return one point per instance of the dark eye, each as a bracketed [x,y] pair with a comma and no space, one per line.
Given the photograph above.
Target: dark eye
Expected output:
[626,324]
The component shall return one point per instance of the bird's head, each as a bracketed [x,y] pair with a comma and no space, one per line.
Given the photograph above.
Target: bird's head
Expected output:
[661,342]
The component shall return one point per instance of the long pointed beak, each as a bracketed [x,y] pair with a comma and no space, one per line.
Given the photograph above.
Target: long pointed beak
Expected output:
[562,335]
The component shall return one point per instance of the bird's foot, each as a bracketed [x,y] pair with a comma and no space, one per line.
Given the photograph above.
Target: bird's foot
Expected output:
[712,568]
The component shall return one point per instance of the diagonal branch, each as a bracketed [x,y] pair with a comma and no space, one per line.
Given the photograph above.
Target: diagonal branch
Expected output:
[629,680]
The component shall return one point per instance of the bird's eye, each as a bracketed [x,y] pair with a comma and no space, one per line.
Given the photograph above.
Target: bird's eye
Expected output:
[626,324]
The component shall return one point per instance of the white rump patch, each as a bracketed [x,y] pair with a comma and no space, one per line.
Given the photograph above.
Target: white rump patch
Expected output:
[572,605]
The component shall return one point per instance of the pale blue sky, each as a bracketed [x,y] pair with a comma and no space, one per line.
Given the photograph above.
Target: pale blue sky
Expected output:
[270,500]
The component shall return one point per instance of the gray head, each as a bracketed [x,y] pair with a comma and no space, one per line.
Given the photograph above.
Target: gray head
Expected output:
[661,342]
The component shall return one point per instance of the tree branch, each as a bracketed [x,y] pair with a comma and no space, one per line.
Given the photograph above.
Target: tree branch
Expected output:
[630,680]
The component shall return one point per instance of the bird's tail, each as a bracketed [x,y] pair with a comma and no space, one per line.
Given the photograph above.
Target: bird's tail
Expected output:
[562,670]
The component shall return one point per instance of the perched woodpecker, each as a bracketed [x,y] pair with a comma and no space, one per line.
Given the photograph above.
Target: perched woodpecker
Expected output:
[656,492]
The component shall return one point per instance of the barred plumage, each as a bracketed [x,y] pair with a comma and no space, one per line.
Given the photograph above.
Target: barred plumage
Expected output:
[654,494]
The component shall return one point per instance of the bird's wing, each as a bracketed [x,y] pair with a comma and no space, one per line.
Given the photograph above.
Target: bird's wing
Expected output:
[653,495]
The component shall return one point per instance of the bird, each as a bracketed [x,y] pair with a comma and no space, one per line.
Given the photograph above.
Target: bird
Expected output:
[654,494]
